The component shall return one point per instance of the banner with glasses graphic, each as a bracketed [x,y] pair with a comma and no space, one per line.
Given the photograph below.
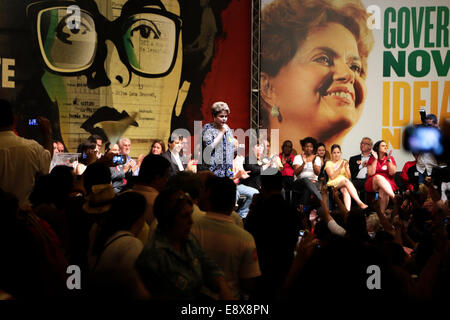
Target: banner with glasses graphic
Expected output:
[84,63]
[341,70]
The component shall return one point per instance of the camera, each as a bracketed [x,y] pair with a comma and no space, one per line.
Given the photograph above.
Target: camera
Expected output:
[32,122]
[423,116]
[423,139]
[119,159]
[301,233]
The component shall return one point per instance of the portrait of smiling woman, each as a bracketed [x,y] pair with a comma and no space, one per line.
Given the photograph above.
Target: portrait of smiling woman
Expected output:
[313,67]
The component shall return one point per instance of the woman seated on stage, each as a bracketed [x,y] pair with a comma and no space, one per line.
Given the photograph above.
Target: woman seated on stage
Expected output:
[324,157]
[338,172]
[381,169]
[306,169]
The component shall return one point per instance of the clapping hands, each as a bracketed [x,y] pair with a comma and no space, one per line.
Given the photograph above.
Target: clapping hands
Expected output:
[374,154]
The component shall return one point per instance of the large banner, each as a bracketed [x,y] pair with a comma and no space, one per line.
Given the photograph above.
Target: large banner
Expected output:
[82,63]
[340,70]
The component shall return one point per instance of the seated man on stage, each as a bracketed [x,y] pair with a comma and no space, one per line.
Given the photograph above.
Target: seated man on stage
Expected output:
[358,167]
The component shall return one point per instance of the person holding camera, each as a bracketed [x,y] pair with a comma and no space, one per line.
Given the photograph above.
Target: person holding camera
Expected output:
[426,161]
[88,155]
[21,160]
[121,172]
[287,159]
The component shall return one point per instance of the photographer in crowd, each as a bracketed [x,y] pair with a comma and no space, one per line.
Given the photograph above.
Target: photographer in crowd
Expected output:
[426,161]
[21,160]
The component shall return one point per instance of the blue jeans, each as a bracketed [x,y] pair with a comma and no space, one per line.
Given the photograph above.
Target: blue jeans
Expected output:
[248,192]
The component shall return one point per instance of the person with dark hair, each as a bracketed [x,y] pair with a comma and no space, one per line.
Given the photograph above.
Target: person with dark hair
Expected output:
[158,147]
[173,265]
[88,155]
[65,176]
[339,175]
[231,247]
[95,138]
[431,120]
[287,159]
[271,214]
[258,163]
[119,173]
[49,200]
[192,184]
[217,142]
[153,176]
[96,173]
[173,156]
[324,157]
[381,169]
[116,248]
[306,170]
[82,212]
[58,147]
[410,175]
[21,160]
[426,161]
[207,178]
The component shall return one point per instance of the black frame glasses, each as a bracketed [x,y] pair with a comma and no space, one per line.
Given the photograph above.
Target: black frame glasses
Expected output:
[116,31]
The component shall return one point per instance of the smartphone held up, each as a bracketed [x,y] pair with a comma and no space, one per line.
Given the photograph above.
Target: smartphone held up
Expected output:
[119,159]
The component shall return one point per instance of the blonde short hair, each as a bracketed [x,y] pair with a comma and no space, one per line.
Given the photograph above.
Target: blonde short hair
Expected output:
[218,107]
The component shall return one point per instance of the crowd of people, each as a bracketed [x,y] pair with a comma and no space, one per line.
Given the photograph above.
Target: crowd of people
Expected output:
[238,227]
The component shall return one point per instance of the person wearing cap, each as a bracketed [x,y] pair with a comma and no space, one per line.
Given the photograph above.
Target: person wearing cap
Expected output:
[217,142]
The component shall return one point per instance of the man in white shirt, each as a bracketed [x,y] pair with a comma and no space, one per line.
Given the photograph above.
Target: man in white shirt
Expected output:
[358,167]
[231,247]
[125,148]
[21,160]
[152,178]
[173,155]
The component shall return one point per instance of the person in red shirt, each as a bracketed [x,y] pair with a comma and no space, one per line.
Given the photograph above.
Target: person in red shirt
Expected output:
[287,157]
[381,169]
[410,175]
